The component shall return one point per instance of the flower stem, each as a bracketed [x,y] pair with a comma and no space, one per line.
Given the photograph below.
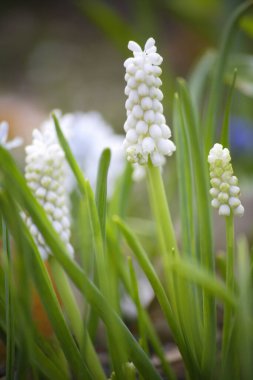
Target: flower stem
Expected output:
[165,229]
[169,252]
[161,209]
[227,319]
[73,313]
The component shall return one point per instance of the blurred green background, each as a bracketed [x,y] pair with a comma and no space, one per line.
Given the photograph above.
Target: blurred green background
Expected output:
[69,54]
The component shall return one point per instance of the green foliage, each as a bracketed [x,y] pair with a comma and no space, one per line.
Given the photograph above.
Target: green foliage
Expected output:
[187,287]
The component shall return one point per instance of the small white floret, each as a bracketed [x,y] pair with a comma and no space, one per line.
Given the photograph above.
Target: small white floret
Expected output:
[132,136]
[234,202]
[239,210]
[155,131]
[166,147]
[148,145]
[215,203]
[234,190]
[141,127]
[149,116]
[146,103]
[157,159]
[224,210]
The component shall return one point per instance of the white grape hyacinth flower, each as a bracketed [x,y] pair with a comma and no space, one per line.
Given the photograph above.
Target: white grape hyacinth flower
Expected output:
[88,134]
[45,176]
[4,130]
[225,190]
[147,134]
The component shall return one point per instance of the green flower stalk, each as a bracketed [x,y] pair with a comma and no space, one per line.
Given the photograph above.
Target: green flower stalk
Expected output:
[225,190]
[225,193]
[45,175]
[148,142]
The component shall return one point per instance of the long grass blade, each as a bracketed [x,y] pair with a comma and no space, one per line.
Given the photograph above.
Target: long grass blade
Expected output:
[101,188]
[108,20]
[18,189]
[97,221]
[204,221]
[73,313]
[208,282]
[149,271]
[10,329]
[185,181]
[47,293]
[198,78]
[219,71]
[224,138]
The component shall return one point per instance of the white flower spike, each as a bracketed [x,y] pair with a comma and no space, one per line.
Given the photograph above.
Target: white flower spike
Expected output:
[225,190]
[147,134]
[45,175]
[4,129]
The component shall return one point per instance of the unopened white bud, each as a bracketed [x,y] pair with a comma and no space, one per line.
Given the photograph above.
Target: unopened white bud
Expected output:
[224,210]
[215,203]
[141,127]
[155,131]
[239,210]
[132,136]
[148,145]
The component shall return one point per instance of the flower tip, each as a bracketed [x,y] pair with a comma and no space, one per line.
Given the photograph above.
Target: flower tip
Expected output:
[150,43]
[134,47]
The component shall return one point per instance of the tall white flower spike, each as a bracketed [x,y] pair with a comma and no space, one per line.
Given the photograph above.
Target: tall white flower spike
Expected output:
[45,175]
[225,190]
[147,134]
[4,129]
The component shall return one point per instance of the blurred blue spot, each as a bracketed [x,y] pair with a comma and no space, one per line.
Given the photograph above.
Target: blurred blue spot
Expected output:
[241,137]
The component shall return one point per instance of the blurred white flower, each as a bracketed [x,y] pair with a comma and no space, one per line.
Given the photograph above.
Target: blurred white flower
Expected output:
[4,130]
[88,135]
[45,175]
[225,190]
[147,134]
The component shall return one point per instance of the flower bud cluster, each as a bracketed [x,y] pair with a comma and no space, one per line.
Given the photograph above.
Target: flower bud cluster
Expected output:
[45,175]
[225,190]
[147,134]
